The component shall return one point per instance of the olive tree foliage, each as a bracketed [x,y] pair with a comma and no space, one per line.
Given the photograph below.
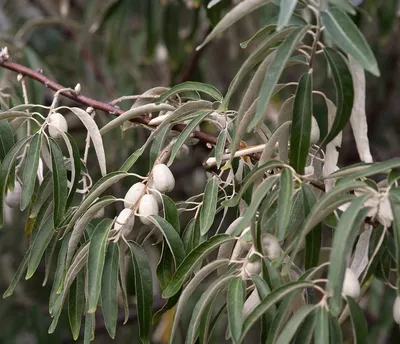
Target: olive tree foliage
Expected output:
[267,266]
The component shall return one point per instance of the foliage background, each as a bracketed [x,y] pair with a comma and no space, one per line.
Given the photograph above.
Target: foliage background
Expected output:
[124,47]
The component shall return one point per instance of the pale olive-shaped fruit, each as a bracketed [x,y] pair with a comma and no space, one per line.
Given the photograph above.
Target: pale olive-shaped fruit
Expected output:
[163,178]
[351,285]
[148,206]
[133,195]
[13,197]
[57,124]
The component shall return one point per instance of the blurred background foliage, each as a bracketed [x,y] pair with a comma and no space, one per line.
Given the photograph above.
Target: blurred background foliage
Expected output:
[124,47]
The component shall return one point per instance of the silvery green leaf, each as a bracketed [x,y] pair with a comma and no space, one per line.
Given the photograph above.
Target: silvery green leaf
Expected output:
[235,301]
[39,244]
[171,213]
[147,97]
[102,185]
[360,257]
[186,133]
[191,86]
[287,8]
[262,51]
[7,138]
[6,168]
[293,324]
[10,114]
[109,289]
[344,92]
[280,132]
[238,12]
[189,289]
[76,168]
[95,135]
[17,276]
[331,152]
[192,260]
[144,290]
[285,114]
[344,5]
[349,38]
[135,112]
[274,72]
[76,304]
[259,194]
[172,238]
[220,147]
[270,301]
[345,233]
[284,202]
[90,324]
[82,223]
[209,207]
[300,133]
[96,259]
[29,174]
[60,186]
[358,118]
[202,304]
[321,331]
[360,326]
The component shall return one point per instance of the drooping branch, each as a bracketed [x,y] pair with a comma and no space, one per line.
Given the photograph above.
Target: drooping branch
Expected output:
[95,104]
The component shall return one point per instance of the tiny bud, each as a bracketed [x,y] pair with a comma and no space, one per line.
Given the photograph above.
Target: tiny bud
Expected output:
[209,145]
[78,88]
[89,110]
[4,56]
[19,77]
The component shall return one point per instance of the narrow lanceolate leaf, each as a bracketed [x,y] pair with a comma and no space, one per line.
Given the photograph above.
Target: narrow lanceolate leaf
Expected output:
[171,213]
[186,133]
[102,185]
[172,238]
[6,138]
[345,234]
[300,133]
[209,206]
[191,261]
[155,149]
[77,168]
[349,38]
[60,183]
[202,306]
[394,197]
[95,135]
[254,174]
[305,333]
[269,301]
[191,86]
[90,323]
[243,8]
[344,5]
[135,112]
[235,301]
[189,289]
[30,170]
[39,244]
[144,290]
[293,324]
[334,330]
[321,334]
[314,238]
[360,327]
[344,92]
[220,147]
[76,304]
[285,12]
[97,254]
[109,289]
[358,118]
[325,206]
[6,169]
[256,200]
[284,202]
[274,72]
[17,276]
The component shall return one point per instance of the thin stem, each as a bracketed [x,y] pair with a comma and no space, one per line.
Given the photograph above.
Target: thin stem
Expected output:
[317,13]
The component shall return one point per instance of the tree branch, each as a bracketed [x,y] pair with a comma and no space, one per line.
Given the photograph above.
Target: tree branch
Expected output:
[95,104]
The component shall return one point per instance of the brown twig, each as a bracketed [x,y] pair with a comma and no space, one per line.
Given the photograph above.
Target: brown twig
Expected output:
[95,104]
